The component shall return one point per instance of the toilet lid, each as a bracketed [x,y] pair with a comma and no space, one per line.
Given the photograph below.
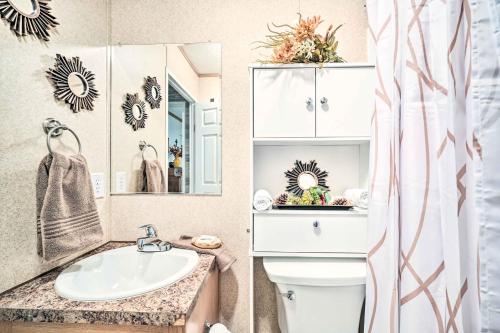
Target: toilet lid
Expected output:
[316,271]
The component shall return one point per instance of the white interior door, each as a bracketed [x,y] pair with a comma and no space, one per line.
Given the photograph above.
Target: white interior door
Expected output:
[283,102]
[344,101]
[207,160]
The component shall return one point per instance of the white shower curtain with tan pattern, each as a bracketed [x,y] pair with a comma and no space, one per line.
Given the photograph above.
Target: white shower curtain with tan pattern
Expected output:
[424,254]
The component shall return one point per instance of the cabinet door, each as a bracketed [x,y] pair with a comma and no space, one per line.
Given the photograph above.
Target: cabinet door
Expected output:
[344,101]
[283,102]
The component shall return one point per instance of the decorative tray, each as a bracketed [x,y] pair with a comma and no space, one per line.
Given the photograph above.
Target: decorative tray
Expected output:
[313,207]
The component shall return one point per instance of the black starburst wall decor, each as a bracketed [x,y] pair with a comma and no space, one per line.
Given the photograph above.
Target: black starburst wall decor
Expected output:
[36,21]
[74,84]
[153,92]
[310,172]
[135,111]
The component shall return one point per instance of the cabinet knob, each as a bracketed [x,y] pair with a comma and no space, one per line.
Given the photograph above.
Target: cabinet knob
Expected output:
[309,101]
[316,224]
[323,100]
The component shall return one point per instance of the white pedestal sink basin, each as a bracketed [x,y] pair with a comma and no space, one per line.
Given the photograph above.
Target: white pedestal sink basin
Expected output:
[123,272]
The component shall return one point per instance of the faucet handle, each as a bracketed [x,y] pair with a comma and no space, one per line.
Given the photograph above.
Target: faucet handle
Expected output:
[150,230]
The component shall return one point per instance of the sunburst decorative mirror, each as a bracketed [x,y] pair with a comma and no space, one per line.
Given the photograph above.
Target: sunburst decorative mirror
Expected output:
[31,17]
[74,84]
[135,111]
[304,176]
[153,92]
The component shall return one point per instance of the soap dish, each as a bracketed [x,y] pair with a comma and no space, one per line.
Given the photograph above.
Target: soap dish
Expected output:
[206,242]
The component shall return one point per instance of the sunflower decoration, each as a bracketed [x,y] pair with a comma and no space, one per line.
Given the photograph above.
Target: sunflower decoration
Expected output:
[36,21]
[301,43]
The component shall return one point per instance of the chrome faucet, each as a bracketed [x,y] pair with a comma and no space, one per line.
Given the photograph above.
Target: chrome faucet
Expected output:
[151,243]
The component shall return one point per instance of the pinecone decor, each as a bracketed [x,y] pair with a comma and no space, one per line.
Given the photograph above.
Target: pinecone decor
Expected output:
[282,199]
[341,202]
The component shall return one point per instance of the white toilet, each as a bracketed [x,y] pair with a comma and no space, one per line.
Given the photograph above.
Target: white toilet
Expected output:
[318,295]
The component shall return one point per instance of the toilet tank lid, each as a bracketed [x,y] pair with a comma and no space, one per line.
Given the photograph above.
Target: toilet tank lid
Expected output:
[316,271]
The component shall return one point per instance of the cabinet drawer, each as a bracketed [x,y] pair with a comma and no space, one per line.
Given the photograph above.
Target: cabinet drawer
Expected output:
[285,233]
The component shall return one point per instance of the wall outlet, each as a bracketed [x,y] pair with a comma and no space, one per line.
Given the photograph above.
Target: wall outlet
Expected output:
[121,182]
[98,181]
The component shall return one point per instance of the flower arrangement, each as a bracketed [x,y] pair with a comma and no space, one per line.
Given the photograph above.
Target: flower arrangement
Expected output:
[175,150]
[301,43]
[314,196]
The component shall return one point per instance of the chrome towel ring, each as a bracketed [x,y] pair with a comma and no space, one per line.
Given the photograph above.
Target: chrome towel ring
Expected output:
[55,128]
[143,145]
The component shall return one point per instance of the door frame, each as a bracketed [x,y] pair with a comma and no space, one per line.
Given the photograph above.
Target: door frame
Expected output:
[172,81]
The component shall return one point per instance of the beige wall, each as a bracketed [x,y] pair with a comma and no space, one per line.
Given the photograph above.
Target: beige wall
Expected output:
[235,24]
[209,87]
[131,64]
[27,100]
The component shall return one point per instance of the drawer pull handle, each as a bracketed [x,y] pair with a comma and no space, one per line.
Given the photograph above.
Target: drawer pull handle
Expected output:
[316,224]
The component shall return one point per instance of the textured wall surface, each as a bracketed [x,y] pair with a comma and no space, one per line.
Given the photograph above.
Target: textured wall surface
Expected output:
[235,24]
[27,99]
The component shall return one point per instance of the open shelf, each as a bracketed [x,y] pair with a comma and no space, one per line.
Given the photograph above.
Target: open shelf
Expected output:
[357,212]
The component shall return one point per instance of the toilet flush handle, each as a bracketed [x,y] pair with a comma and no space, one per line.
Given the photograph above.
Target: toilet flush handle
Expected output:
[290,295]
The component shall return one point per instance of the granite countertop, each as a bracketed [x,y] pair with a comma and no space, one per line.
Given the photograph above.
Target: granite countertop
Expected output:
[37,301]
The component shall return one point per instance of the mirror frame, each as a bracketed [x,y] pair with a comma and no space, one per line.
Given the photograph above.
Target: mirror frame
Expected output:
[132,101]
[59,75]
[37,23]
[300,168]
[150,85]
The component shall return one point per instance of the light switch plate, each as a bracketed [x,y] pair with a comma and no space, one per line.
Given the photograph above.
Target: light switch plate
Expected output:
[98,182]
[121,182]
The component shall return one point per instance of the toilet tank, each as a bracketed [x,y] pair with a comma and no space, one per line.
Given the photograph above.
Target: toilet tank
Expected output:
[318,295]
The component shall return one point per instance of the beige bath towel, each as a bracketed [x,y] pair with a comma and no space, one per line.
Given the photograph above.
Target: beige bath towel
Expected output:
[67,217]
[152,177]
[223,258]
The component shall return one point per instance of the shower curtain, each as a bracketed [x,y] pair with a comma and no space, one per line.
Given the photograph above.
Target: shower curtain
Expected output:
[433,189]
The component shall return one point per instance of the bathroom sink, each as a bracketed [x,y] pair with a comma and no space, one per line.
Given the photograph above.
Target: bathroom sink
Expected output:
[123,272]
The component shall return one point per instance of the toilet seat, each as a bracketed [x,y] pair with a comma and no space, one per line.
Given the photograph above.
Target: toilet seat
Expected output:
[316,271]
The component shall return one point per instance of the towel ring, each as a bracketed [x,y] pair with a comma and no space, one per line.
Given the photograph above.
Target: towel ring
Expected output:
[54,128]
[143,145]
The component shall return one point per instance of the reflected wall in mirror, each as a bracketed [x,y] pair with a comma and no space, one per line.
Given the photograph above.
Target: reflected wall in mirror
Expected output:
[185,129]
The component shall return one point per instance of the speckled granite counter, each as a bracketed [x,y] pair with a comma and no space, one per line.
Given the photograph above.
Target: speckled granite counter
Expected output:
[37,301]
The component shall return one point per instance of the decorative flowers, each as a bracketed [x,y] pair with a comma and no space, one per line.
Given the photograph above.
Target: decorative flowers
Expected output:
[175,150]
[301,43]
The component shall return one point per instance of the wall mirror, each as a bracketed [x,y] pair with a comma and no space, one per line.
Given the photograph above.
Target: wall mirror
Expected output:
[179,148]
